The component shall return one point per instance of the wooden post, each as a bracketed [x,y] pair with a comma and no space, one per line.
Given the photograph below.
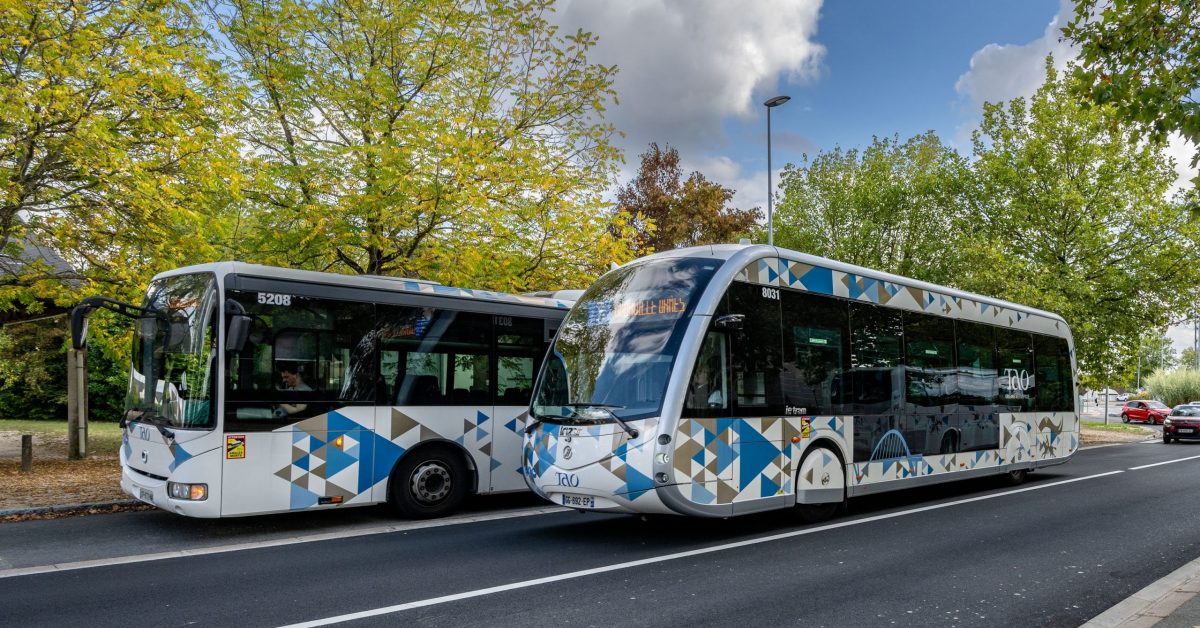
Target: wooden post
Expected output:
[26,453]
[77,406]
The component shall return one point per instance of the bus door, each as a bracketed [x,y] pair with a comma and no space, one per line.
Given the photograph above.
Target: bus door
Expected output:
[299,420]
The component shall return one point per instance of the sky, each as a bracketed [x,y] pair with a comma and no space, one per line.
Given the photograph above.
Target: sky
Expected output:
[694,74]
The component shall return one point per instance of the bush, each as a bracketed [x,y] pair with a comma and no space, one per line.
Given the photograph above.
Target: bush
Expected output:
[1175,387]
[33,369]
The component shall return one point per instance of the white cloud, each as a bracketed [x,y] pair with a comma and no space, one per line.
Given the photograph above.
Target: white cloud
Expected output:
[684,65]
[1000,72]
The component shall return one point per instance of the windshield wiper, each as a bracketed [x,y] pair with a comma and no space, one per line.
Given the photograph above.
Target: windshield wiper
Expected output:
[607,407]
[538,419]
[157,420]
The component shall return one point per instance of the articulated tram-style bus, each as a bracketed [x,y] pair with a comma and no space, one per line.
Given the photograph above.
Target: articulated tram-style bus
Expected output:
[256,389]
[723,380]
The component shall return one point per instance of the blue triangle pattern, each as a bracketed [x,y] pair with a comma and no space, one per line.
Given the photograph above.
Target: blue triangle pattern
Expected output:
[481,418]
[702,495]
[337,460]
[512,426]
[380,455]
[302,498]
[818,280]
[181,456]
[725,456]
[769,487]
[638,484]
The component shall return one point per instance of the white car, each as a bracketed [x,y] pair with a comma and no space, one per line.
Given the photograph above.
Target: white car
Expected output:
[1123,397]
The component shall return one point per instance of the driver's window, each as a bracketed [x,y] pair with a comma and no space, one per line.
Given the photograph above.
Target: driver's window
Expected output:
[708,392]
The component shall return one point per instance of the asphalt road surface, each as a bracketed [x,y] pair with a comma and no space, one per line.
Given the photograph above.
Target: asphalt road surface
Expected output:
[1056,551]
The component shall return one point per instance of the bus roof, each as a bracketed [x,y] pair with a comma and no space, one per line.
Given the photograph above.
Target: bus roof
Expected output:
[744,254]
[371,282]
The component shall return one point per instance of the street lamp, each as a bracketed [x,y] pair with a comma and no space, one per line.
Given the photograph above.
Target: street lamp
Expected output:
[771,104]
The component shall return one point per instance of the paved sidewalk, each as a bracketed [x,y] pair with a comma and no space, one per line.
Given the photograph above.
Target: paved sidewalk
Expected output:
[1169,603]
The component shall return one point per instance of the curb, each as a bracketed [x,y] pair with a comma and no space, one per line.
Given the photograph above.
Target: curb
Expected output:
[1153,603]
[67,508]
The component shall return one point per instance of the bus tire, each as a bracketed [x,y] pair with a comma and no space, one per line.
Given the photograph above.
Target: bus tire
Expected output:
[1014,478]
[816,513]
[427,483]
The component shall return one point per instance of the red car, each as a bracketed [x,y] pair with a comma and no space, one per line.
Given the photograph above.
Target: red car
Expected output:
[1184,423]
[1145,410]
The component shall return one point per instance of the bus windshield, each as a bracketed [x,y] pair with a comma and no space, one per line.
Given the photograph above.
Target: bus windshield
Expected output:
[616,348]
[172,379]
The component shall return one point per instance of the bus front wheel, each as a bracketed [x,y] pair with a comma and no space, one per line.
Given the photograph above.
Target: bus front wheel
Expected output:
[820,471]
[429,483]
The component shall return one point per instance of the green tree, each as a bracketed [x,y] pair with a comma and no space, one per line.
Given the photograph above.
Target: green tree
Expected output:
[669,212]
[462,142]
[111,152]
[1152,354]
[1070,216]
[896,206]
[1142,58]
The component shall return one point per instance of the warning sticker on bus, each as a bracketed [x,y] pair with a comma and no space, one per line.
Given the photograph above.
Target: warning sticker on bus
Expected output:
[235,446]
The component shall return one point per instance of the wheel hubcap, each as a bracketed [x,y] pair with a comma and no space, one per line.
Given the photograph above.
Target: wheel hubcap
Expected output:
[430,482]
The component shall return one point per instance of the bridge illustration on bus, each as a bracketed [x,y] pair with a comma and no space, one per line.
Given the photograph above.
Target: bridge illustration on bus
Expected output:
[728,379]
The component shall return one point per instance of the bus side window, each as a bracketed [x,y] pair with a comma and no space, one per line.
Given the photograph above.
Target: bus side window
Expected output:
[708,392]
[442,357]
[520,345]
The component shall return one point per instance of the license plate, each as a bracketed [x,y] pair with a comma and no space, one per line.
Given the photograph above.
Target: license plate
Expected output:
[579,501]
[1185,430]
[146,495]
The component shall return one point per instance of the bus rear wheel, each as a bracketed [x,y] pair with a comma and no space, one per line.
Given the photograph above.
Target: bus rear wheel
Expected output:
[428,483]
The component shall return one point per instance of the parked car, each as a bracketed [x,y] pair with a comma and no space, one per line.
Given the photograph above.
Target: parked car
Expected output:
[1182,424]
[1123,397]
[1145,410]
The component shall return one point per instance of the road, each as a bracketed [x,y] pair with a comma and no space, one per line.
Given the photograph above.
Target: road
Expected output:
[1056,551]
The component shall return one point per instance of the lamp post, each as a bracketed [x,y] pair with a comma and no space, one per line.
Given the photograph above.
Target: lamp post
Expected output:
[771,104]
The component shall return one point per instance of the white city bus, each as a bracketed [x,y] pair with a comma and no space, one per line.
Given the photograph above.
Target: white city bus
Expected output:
[723,380]
[257,390]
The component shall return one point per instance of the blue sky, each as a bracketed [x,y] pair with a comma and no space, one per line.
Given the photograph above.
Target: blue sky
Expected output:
[694,74]
[891,67]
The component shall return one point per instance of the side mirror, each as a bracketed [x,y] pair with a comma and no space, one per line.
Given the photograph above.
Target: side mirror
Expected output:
[237,332]
[238,329]
[733,322]
[79,323]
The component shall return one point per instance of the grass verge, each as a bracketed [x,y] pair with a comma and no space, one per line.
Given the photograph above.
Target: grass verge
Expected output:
[1113,427]
[54,479]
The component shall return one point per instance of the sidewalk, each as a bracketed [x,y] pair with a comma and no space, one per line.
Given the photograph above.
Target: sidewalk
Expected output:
[1171,602]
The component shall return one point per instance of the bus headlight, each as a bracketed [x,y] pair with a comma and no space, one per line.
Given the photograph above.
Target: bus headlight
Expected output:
[190,492]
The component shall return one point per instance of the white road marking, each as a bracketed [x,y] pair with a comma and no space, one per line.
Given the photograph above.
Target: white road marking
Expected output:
[386,610]
[1147,466]
[237,547]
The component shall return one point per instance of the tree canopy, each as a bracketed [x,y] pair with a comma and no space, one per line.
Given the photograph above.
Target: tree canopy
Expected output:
[1142,58]
[462,142]
[111,145]
[1070,214]
[894,206]
[667,211]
